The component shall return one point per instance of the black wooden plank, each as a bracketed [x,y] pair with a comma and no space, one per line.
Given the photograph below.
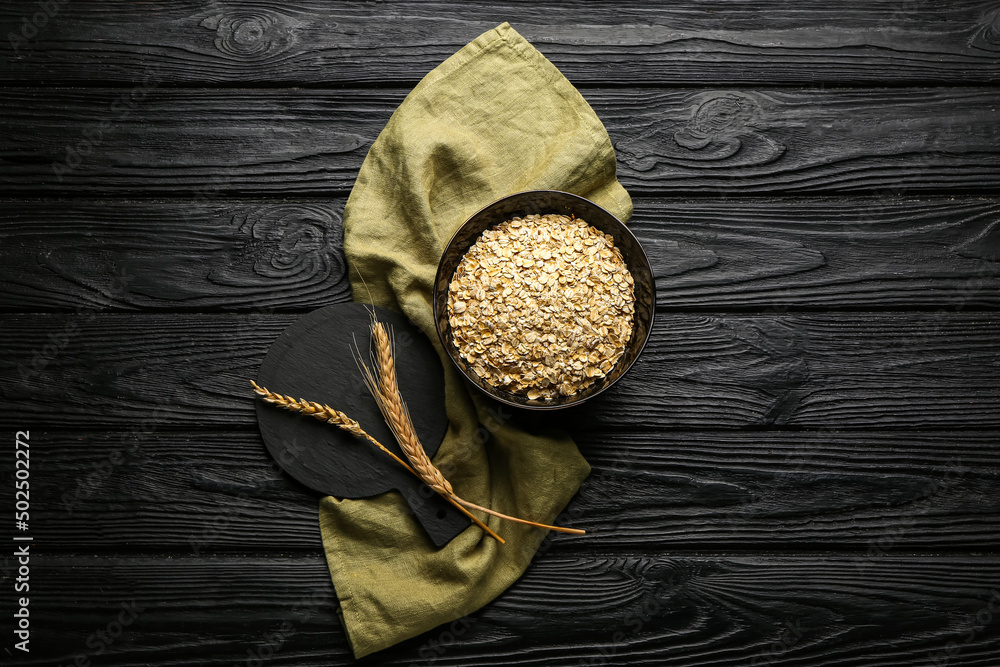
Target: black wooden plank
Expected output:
[627,610]
[219,492]
[682,43]
[200,255]
[935,369]
[873,252]
[823,371]
[312,142]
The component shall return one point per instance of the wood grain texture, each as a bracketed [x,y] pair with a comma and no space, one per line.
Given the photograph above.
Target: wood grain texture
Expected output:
[209,492]
[824,371]
[153,140]
[616,610]
[829,253]
[683,43]
[933,370]
[801,470]
[250,256]
[751,254]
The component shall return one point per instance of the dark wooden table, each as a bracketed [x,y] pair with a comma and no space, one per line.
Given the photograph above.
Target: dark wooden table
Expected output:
[803,469]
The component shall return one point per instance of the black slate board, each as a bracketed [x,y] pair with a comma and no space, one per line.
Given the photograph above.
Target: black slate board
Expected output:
[313,359]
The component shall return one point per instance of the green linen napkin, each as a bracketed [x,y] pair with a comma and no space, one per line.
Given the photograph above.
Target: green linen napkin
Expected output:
[495,118]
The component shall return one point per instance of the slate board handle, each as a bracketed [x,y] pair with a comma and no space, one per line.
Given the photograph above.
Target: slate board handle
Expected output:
[440,519]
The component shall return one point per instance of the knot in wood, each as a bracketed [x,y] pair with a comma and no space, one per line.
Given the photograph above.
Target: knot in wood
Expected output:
[258,36]
[295,241]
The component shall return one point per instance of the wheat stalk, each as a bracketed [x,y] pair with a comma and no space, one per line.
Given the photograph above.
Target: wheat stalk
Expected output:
[326,414]
[329,415]
[385,389]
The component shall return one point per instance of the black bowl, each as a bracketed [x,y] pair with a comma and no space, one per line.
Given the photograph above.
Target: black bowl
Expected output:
[542,202]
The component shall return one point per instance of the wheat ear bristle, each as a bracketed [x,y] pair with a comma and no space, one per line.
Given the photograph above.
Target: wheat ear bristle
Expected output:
[326,414]
[390,401]
[331,416]
[385,389]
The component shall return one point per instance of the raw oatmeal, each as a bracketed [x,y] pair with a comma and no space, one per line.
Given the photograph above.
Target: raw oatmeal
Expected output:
[542,306]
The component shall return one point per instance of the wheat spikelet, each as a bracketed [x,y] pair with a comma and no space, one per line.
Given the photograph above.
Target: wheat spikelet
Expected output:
[386,392]
[385,389]
[317,410]
[323,413]
[331,416]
